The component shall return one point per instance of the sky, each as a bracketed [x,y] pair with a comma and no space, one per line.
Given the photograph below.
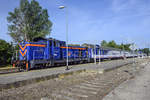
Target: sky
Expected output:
[91,21]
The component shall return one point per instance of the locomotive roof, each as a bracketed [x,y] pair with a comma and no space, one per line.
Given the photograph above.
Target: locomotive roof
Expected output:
[87,45]
[41,38]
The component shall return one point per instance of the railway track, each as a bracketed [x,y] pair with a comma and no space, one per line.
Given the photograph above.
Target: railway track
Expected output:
[94,89]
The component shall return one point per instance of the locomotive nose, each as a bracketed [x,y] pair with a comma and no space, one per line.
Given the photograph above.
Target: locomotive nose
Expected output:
[23,51]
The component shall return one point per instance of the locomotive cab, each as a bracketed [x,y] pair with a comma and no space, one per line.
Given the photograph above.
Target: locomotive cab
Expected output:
[30,52]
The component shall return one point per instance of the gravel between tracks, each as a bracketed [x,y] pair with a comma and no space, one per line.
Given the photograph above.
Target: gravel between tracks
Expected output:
[82,86]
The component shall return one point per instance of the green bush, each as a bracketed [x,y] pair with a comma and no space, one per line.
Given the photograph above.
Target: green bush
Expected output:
[5,52]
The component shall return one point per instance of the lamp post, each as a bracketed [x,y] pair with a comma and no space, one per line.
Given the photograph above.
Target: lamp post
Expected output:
[95,53]
[62,7]
[132,47]
[99,56]
[123,50]
[124,56]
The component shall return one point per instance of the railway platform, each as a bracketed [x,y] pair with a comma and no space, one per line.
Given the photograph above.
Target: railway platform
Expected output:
[13,80]
[137,88]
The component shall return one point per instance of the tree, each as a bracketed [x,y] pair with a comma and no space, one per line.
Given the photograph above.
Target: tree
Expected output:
[73,44]
[5,52]
[112,44]
[145,50]
[104,43]
[121,46]
[127,47]
[28,21]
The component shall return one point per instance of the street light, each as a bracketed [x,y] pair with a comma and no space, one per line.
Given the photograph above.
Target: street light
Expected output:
[99,55]
[95,53]
[123,50]
[132,47]
[124,56]
[62,7]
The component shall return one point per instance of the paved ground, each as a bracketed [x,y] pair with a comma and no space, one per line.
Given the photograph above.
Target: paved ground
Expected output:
[90,85]
[135,89]
[15,77]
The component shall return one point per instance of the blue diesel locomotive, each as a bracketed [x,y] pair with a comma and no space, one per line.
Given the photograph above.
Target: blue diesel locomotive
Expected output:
[49,52]
[42,53]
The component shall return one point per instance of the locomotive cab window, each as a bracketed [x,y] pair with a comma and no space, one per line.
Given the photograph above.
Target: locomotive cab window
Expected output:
[54,43]
[57,44]
[50,43]
[62,43]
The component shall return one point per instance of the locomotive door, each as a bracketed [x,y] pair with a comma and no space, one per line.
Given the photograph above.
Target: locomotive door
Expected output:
[56,50]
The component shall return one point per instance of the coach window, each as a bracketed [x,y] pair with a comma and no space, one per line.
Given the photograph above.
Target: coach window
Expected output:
[96,51]
[93,51]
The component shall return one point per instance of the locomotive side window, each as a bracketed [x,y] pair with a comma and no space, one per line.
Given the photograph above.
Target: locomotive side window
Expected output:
[79,53]
[62,43]
[50,43]
[57,44]
[54,43]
